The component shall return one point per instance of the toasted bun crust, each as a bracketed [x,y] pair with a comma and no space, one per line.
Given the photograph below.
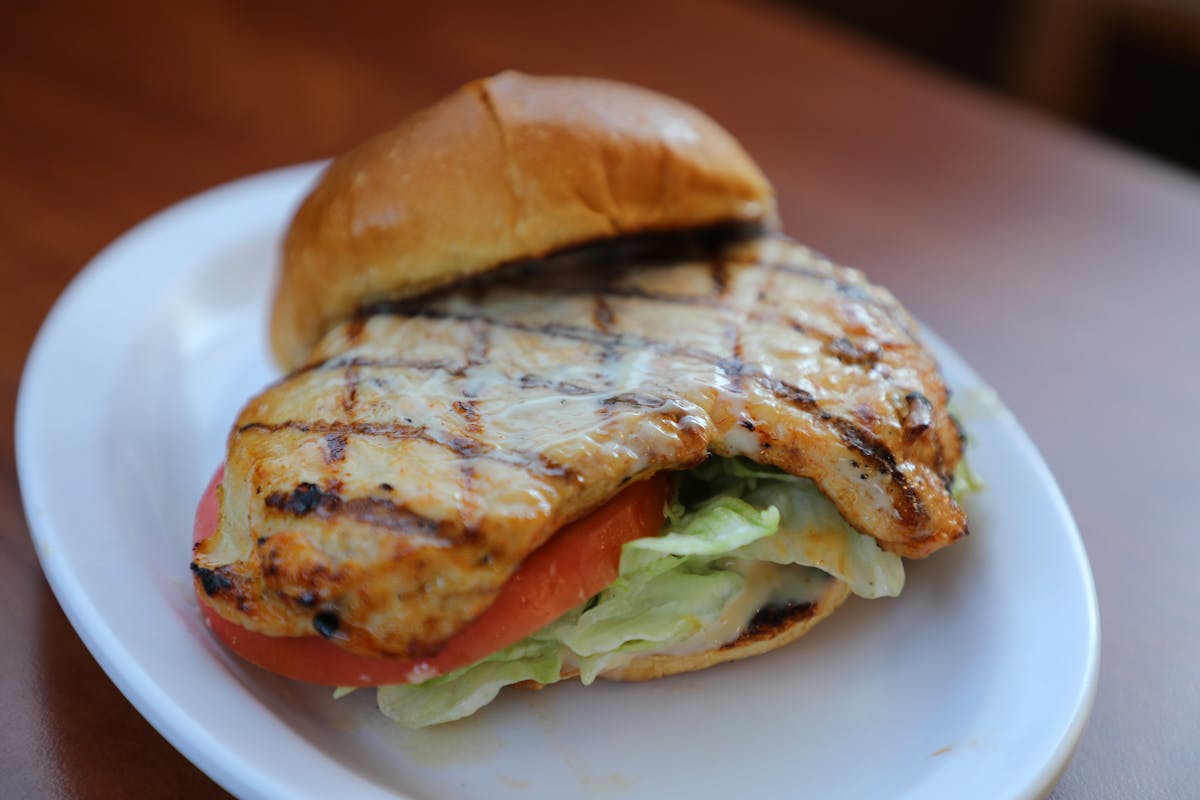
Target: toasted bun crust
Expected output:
[507,168]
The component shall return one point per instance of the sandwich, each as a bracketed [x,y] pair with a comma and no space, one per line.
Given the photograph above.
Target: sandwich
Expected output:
[560,400]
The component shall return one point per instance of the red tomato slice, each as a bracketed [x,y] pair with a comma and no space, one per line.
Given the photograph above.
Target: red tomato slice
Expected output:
[577,562]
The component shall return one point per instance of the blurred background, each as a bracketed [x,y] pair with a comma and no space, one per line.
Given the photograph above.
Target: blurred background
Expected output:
[1128,69]
[1040,254]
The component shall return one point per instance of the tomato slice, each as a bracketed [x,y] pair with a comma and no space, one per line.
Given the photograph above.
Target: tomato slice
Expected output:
[576,563]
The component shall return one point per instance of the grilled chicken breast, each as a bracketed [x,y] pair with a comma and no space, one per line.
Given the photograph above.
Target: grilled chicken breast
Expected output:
[384,492]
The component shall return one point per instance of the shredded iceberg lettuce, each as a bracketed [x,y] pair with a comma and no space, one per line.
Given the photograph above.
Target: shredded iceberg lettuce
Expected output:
[461,693]
[813,533]
[672,586]
[966,480]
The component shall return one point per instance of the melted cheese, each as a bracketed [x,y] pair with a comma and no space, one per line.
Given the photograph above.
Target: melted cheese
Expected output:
[769,583]
[766,585]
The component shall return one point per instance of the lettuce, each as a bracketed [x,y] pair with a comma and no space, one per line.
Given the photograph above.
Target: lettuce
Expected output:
[672,586]
[461,693]
[813,533]
[810,532]
[648,611]
[966,480]
[718,526]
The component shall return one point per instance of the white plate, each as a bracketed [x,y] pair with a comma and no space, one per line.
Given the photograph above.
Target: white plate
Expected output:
[975,682]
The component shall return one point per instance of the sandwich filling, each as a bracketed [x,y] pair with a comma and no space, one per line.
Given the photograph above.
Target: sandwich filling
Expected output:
[740,541]
[383,494]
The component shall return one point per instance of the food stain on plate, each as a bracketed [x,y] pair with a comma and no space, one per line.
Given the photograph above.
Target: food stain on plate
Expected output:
[591,785]
[466,741]
[972,744]
[474,740]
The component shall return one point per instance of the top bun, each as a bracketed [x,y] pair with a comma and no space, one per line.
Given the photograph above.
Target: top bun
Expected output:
[507,168]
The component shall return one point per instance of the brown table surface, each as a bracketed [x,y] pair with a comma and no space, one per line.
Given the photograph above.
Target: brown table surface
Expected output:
[1066,270]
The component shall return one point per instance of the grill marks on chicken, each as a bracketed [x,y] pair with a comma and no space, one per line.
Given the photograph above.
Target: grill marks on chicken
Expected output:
[398,480]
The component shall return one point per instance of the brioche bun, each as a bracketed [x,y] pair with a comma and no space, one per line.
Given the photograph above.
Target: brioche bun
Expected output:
[507,168]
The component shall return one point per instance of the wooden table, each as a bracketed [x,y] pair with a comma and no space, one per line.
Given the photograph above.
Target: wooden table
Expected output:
[1066,270]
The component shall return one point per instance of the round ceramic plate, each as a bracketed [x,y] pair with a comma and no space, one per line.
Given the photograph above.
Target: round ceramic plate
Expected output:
[975,682]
